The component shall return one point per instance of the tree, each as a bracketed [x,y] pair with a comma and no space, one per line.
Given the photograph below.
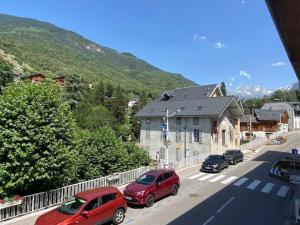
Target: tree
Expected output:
[75,90]
[143,100]
[119,105]
[102,153]
[284,96]
[36,139]
[100,93]
[93,117]
[109,90]
[251,104]
[6,75]
[223,88]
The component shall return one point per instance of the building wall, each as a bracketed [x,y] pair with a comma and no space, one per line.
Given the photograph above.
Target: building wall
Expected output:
[152,141]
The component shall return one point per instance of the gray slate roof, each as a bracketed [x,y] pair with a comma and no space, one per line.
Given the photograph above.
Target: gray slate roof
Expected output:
[246,119]
[196,107]
[190,93]
[267,115]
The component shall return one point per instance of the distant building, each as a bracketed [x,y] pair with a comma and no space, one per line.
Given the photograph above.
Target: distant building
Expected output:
[263,123]
[131,103]
[293,110]
[36,78]
[201,120]
[60,80]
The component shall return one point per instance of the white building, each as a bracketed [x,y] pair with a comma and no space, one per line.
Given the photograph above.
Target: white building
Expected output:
[201,120]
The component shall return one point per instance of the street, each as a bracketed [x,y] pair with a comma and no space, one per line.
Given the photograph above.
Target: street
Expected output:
[243,194]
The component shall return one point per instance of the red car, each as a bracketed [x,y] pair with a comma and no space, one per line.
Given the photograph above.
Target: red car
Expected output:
[95,206]
[151,186]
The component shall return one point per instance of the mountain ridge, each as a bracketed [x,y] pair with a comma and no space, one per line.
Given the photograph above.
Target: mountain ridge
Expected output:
[45,48]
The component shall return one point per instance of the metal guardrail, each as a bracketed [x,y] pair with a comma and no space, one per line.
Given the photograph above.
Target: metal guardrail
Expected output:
[43,200]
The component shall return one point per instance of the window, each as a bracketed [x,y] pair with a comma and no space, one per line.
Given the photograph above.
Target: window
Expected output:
[231,135]
[167,175]
[92,205]
[148,121]
[160,179]
[196,121]
[147,134]
[196,135]
[162,153]
[178,136]
[178,120]
[191,136]
[108,198]
[200,137]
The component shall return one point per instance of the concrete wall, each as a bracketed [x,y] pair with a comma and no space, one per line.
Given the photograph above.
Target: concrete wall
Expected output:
[186,145]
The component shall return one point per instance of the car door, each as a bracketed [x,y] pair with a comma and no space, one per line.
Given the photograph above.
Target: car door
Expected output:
[159,187]
[168,182]
[107,207]
[93,214]
[224,161]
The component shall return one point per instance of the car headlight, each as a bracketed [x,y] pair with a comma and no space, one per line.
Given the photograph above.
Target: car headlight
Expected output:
[140,192]
[215,166]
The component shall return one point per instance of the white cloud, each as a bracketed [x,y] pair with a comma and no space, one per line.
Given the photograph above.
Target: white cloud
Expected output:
[198,37]
[219,45]
[279,63]
[232,78]
[245,74]
[243,2]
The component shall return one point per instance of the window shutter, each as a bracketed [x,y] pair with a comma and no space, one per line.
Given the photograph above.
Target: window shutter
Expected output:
[191,136]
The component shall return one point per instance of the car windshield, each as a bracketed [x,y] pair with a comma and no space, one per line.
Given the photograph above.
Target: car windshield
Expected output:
[71,207]
[146,179]
[213,157]
[230,152]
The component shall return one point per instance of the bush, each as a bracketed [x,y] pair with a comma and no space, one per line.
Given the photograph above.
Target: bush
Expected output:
[36,141]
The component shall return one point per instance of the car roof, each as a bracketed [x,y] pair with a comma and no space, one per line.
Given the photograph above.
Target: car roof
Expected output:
[96,192]
[159,171]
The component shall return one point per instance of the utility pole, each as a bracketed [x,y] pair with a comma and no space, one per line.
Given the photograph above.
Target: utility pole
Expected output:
[167,139]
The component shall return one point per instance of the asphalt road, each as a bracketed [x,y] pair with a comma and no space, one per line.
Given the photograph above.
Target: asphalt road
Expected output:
[243,194]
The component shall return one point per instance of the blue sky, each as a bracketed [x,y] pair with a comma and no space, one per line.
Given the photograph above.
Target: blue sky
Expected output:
[208,41]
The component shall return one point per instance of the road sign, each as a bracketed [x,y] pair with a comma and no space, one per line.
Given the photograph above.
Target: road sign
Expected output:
[294,151]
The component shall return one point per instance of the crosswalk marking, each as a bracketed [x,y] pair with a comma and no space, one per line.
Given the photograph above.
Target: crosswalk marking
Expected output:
[268,187]
[254,184]
[228,180]
[206,177]
[195,176]
[241,181]
[217,178]
[283,191]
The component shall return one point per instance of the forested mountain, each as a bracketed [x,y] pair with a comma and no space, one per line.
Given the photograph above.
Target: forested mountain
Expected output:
[31,46]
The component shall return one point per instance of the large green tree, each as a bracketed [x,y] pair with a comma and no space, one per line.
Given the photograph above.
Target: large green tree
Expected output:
[6,75]
[119,105]
[102,153]
[36,139]
[75,90]
[100,93]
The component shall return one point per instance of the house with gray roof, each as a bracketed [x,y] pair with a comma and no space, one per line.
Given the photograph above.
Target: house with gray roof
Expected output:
[190,121]
[293,110]
[264,122]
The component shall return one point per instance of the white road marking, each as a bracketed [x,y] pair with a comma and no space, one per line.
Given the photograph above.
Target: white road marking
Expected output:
[268,187]
[207,177]
[283,191]
[241,181]
[195,176]
[209,220]
[223,206]
[217,178]
[228,180]
[254,184]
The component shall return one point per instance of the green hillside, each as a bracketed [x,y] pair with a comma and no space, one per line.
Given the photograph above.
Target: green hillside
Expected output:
[32,46]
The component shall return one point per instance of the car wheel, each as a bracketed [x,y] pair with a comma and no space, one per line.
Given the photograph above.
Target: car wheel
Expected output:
[175,189]
[149,200]
[119,216]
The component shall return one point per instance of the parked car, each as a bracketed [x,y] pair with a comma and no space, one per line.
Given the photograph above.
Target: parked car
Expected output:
[151,186]
[214,163]
[95,206]
[234,156]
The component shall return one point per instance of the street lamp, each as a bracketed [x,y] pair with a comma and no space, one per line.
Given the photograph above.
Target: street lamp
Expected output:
[167,136]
